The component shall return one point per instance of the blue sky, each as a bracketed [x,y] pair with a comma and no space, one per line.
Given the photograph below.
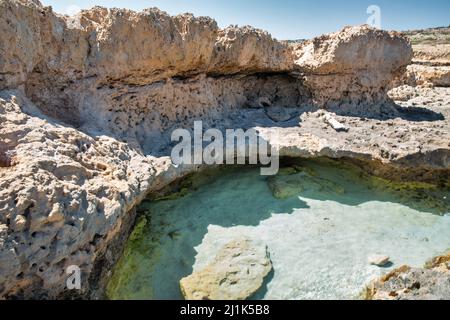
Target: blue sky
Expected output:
[291,19]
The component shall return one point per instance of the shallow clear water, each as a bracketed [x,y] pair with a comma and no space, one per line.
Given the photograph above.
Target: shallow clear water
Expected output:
[319,238]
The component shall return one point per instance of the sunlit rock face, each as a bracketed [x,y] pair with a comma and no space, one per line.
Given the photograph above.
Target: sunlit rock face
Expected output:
[320,235]
[431,61]
[411,283]
[236,273]
[157,46]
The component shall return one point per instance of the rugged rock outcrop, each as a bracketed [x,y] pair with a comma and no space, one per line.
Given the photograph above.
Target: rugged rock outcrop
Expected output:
[126,46]
[352,67]
[55,58]
[423,75]
[88,103]
[406,283]
[64,195]
[433,54]
[294,180]
[431,61]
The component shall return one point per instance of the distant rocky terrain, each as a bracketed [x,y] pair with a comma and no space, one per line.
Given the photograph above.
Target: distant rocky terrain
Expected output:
[88,104]
[426,83]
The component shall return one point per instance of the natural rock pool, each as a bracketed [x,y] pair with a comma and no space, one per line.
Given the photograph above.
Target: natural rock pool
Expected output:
[319,219]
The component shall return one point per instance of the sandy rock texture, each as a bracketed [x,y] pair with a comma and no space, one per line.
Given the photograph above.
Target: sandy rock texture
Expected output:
[405,283]
[433,53]
[236,273]
[430,67]
[88,104]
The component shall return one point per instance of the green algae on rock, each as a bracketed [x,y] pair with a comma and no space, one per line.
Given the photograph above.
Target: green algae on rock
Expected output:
[184,186]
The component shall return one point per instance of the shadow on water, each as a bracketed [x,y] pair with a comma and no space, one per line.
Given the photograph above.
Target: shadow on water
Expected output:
[225,197]
[176,227]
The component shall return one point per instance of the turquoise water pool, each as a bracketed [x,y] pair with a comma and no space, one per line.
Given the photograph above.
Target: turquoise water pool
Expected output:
[320,221]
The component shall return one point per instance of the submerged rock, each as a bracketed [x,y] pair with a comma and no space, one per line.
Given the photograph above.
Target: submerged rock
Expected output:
[379,260]
[405,283]
[85,120]
[290,182]
[236,273]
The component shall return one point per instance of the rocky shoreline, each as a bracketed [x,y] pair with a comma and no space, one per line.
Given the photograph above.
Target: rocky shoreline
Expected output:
[405,283]
[87,105]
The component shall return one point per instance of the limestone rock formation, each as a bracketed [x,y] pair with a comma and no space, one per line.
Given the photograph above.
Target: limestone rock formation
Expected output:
[286,184]
[431,62]
[432,53]
[64,196]
[437,76]
[157,46]
[378,260]
[236,273]
[88,103]
[405,283]
[430,67]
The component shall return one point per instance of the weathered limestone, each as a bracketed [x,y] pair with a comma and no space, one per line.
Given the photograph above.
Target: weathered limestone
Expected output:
[286,184]
[87,105]
[431,62]
[236,273]
[405,283]
[336,125]
[378,260]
